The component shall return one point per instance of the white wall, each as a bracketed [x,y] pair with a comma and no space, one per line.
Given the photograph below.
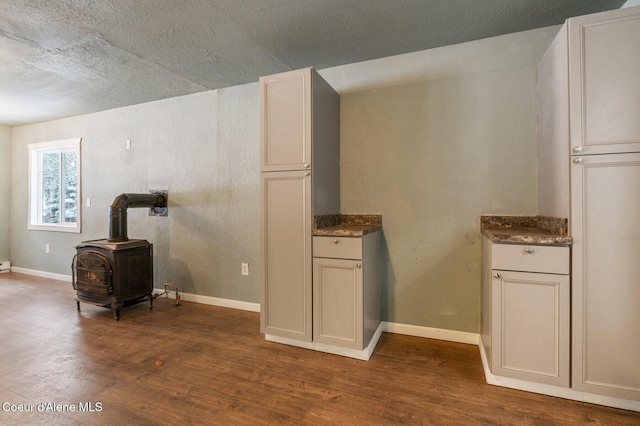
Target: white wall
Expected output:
[431,140]
[5,192]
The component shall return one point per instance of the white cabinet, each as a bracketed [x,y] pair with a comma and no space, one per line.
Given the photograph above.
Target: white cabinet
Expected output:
[604,59]
[300,178]
[589,156]
[526,312]
[346,290]
[588,102]
[337,310]
[286,254]
[604,88]
[606,272]
[330,303]
[285,112]
[300,130]
[531,318]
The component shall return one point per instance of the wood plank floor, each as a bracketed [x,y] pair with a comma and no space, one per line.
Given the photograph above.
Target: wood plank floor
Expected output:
[218,369]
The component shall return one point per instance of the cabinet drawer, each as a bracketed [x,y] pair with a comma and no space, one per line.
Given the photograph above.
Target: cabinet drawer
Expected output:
[337,247]
[515,257]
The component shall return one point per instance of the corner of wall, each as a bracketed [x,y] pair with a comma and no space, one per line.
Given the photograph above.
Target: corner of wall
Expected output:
[5,192]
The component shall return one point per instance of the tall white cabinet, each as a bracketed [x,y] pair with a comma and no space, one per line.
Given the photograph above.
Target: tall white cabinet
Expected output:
[589,152]
[300,178]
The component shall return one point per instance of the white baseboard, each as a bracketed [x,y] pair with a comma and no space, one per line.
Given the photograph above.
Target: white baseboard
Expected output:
[557,391]
[363,354]
[206,300]
[41,274]
[432,333]
[389,327]
[214,301]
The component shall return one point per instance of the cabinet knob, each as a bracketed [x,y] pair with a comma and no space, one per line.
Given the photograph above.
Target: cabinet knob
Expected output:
[336,241]
[578,149]
[496,275]
[529,250]
[578,160]
[307,165]
[307,173]
[358,265]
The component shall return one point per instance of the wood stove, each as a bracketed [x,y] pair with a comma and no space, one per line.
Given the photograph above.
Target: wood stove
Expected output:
[112,274]
[117,271]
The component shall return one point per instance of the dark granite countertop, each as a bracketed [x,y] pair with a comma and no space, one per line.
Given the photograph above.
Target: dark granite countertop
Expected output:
[538,230]
[346,230]
[346,225]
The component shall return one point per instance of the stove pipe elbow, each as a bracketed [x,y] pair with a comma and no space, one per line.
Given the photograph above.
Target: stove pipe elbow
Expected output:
[118,212]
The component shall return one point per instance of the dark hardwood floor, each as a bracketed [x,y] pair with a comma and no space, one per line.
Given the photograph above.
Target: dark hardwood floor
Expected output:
[216,368]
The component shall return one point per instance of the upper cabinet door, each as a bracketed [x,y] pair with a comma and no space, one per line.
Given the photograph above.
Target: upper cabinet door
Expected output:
[285,121]
[604,66]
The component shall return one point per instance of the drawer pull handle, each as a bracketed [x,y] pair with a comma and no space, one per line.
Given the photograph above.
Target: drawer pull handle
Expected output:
[529,250]
[497,275]
[336,241]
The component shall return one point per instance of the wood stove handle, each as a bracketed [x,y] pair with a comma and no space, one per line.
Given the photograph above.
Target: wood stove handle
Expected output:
[73,271]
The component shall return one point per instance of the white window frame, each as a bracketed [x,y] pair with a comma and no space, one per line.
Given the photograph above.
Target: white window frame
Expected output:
[35,184]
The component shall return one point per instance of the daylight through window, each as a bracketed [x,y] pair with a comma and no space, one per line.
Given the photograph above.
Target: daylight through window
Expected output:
[54,174]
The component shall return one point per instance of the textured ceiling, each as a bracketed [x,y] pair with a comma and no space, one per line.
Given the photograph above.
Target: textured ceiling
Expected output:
[61,58]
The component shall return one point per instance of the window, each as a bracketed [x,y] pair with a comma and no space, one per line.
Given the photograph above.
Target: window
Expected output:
[54,185]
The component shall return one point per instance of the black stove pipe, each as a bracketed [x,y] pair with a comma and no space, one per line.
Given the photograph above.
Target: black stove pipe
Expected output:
[118,212]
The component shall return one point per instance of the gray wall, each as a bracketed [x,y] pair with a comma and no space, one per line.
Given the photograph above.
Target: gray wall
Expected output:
[455,139]
[5,192]
[430,140]
[202,148]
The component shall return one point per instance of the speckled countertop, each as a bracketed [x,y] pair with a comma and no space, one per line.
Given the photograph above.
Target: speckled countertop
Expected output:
[346,225]
[538,230]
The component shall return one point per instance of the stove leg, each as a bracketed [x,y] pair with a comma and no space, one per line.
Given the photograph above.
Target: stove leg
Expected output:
[116,307]
[150,297]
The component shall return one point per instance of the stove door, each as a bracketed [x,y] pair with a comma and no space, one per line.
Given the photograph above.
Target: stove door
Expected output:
[92,273]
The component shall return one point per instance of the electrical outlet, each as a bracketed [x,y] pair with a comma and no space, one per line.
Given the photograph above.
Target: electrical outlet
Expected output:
[47,248]
[127,144]
[245,268]
[88,202]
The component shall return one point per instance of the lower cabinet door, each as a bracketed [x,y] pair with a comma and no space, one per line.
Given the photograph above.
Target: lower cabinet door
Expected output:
[337,302]
[605,199]
[286,306]
[530,323]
